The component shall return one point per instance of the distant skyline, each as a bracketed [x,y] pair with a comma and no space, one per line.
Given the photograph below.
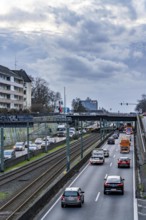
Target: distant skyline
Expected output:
[93,48]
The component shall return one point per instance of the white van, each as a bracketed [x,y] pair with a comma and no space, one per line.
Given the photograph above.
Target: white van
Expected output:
[61,130]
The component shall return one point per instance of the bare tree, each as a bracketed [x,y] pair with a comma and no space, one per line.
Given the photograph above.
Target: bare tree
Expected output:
[55,98]
[77,105]
[43,99]
[141,106]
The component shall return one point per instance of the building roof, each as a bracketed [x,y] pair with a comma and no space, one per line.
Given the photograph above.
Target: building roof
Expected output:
[7,71]
[22,74]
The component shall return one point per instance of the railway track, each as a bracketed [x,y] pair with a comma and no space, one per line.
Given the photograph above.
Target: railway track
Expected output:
[48,169]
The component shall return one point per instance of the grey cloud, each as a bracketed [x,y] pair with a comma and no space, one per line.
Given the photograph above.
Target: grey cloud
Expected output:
[63,14]
[18,15]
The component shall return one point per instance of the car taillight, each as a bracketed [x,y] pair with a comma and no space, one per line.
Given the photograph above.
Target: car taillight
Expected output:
[120,184]
[106,184]
[62,197]
[79,198]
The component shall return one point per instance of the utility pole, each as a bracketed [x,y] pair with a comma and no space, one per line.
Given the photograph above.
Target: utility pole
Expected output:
[64,100]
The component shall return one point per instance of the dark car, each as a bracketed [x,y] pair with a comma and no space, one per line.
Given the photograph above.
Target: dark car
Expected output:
[124,162]
[115,136]
[111,140]
[72,196]
[114,184]
[106,152]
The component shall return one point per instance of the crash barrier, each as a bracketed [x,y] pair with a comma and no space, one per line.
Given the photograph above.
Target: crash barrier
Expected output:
[141,138]
[140,155]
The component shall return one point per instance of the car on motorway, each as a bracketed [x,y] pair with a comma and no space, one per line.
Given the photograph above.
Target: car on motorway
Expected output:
[106,152]
[114,184]
[124,162]
[111,140]
[9,154]
[97,157]
[72,196]
[115,135]
[19,146]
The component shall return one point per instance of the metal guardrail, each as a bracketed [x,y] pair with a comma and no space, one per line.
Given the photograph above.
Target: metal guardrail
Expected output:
[141,140]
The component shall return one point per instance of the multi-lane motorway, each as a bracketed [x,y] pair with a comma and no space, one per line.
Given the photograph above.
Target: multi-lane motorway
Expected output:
[97,205]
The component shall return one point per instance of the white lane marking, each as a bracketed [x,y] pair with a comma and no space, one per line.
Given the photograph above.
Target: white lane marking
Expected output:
[114,156]
[49,210]
[111,164]
[105,176]
[97,197]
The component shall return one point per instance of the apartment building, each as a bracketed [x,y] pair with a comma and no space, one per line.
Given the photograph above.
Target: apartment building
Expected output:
[15,89]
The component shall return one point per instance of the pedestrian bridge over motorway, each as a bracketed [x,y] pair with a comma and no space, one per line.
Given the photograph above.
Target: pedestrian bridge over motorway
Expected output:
[103,116]
[85,117]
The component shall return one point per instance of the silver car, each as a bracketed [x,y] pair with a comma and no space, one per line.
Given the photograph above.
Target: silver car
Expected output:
[19,146]
[72,196]
[9,154]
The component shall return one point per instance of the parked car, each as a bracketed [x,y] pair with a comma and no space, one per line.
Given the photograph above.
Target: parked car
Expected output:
[38,141]
[50,139]
[72,196]
[19,146]
[45,143]
[73,130]
[111,140]
[9,154]
[71,134]
[114,184]
[61,130]
[124,162]
[33,147]
[83,131]
[30,142]
[106,152]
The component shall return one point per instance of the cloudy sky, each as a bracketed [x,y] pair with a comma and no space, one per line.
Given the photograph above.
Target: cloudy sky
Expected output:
[92,48]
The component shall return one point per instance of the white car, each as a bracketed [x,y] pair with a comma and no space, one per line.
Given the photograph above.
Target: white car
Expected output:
[45,143]
[19,146]
[72,130]
[33,147]
[38,141]
[9,154]
[97,159]
[71,133]
[30,142]
[50,139]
